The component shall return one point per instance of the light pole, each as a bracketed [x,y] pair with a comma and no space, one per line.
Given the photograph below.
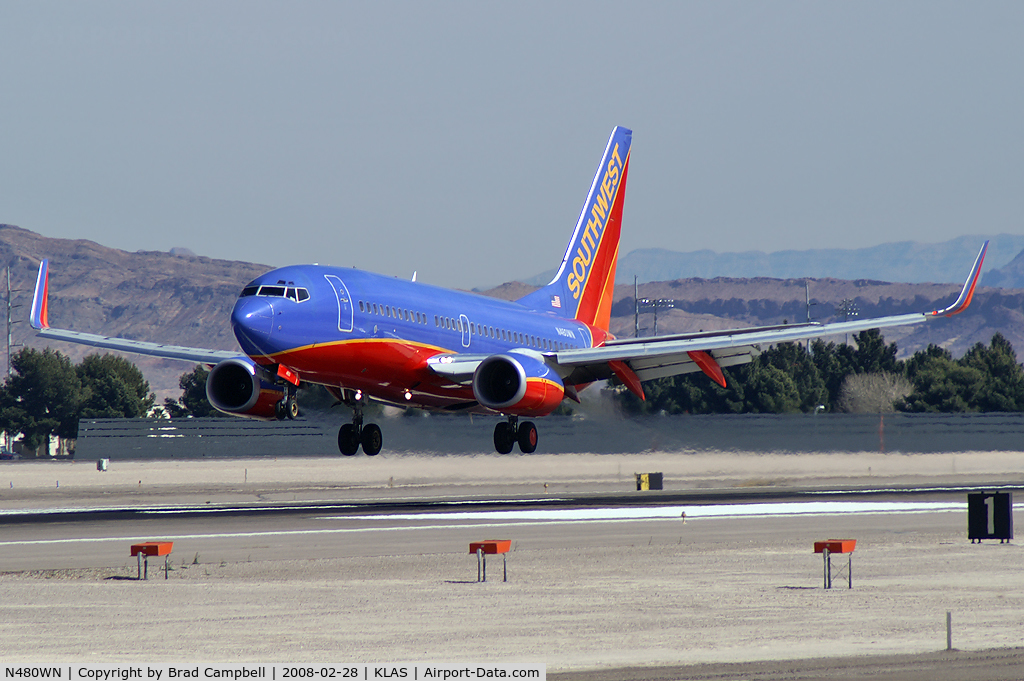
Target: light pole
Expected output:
[848,309]
[644,304]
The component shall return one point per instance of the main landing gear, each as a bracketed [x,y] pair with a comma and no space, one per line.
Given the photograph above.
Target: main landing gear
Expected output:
[354,434]
[508,433]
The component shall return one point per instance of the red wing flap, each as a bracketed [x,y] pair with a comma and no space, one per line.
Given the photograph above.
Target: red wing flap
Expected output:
[708,365]
[628,377]
[571,392]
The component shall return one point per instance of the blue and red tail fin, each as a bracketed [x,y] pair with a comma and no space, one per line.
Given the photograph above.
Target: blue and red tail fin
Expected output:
[38,315]
[583,286]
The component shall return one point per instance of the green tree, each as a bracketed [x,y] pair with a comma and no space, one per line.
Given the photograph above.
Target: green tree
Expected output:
[784,378]
[921,358]
[834,363]
[193,401]
[116,388]
[1003,389]
[771,390]
[43,398]
[872,355]
[986,378]
[692,393]
[942,384]
[792,359]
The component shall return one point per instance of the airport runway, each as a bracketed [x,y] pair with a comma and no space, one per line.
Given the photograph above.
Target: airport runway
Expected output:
[602,585]
[95,538]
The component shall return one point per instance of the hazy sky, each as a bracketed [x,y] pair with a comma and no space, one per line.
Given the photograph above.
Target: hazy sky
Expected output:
[459,139]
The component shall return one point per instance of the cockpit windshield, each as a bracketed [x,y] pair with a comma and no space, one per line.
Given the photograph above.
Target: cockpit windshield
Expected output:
[296,293]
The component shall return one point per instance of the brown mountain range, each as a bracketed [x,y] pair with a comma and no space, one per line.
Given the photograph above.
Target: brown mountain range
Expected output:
[185,299]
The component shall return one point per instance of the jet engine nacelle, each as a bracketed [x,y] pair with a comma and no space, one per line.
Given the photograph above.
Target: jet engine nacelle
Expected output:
[237,387]
[517,383]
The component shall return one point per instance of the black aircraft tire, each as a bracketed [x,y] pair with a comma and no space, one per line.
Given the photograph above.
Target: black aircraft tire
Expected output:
[504,438]
[292,408]
[527,437]
[372,439]
[281,410]
[348,440]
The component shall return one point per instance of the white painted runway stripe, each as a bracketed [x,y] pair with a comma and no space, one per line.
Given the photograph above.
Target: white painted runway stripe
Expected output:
[501,519]
[571,515]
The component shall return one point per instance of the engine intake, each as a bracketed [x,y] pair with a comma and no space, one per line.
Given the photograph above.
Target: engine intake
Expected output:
[517,383]
[236,387]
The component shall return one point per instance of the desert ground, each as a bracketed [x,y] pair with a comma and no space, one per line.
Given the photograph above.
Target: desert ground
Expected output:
[737,594]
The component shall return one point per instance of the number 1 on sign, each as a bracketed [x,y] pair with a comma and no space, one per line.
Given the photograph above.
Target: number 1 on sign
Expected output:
[990,505]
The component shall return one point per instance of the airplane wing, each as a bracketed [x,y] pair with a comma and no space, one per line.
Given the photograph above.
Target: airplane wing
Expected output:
[641,359]
[634,360]
[38,320]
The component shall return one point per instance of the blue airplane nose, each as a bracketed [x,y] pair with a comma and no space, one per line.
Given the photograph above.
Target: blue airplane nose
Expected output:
[253,321]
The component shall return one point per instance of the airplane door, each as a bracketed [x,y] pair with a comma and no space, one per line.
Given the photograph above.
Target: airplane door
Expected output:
[467,332]
[345,311]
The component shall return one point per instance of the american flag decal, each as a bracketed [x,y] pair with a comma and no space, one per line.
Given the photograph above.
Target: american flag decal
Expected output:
[556,301]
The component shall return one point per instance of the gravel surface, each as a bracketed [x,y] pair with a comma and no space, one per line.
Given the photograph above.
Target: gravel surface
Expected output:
[608,600]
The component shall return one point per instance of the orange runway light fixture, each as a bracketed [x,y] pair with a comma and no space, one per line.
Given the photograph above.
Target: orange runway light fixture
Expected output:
[482,548]
[491,546]
[152,548]
[832,546]
[144,550]
[835,545]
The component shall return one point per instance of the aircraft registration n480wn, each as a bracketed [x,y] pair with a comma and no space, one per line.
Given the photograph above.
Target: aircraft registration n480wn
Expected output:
[367,336]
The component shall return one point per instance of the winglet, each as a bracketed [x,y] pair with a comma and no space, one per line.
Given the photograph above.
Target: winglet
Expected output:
[968,291]
[38,317]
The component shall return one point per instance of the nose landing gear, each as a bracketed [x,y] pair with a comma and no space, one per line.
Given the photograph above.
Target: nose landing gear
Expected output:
[287,408]
[508,433]
[352,435]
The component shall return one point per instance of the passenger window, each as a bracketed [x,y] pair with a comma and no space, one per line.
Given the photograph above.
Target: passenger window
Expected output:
[361,306]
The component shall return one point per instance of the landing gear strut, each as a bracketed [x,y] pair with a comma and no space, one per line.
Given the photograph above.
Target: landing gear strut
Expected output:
[351,435]
[508,433]
[288,407]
